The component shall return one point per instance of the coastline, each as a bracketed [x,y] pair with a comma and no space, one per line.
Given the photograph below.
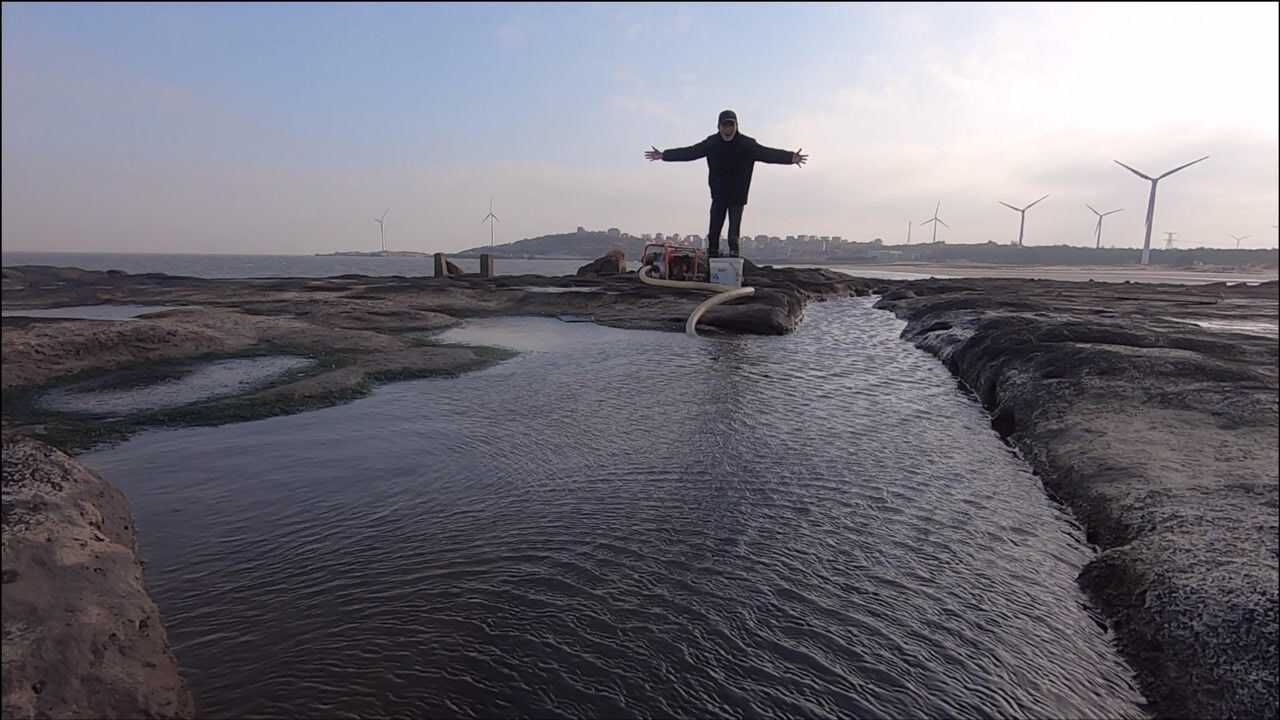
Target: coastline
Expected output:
[1074,374]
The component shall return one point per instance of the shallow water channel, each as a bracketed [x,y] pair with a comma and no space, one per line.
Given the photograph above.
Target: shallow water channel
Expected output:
[624,523]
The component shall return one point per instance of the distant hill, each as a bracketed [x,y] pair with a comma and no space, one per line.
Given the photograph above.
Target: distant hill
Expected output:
[375,253]
[588,244]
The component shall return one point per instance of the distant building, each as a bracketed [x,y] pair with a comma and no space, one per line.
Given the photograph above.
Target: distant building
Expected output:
[659,237]
[646,237]
[614,232]
[581,230]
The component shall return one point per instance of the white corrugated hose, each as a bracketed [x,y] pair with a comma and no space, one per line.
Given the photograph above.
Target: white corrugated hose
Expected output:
[724,293]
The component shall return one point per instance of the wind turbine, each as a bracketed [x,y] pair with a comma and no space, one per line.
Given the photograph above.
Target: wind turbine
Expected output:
[491,219]
[935,220]
[1022,224]
[382,228]
[1097,230]
[1238,238]
[908,232]
[1151,201]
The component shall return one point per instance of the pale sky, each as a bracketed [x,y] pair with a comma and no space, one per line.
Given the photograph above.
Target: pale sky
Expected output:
[287,128]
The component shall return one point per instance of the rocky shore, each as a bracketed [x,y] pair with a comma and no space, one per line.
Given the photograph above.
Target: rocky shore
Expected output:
[1150,411]
[360,331]
[81,636]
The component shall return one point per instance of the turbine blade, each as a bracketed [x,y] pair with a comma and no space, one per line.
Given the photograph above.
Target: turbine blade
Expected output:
[1009,206]
[944,224]
[1034,203]
[1095,212]
[926,222]
[1182,167]
[495,217]
[1113,212]
[935,210]
[1135,172]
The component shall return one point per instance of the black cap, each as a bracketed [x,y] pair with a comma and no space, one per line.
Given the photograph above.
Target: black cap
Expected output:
[728,115]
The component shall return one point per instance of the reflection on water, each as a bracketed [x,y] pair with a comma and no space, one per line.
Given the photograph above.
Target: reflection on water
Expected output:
[622,523]
[219,378]
[91,312]
[1246,327]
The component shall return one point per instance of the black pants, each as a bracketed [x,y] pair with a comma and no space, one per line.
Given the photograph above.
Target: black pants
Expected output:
[718,210]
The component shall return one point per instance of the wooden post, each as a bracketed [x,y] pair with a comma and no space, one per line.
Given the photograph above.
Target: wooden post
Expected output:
[486,265]
[442,267]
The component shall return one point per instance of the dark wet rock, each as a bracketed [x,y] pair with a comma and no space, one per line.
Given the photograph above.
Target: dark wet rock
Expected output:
[1152,412]
[612,263]
[81,636]
[452,269]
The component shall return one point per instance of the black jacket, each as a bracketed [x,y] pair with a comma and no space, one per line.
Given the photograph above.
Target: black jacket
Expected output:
[729,163]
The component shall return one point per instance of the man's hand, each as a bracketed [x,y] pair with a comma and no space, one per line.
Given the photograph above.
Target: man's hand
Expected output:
[654,154]
[797,157]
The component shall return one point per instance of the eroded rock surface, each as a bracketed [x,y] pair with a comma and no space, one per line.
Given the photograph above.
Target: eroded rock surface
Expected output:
[1151,411]
[82,639]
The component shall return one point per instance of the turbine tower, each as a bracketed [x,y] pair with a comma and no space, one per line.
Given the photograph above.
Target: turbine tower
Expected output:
[382,228]
[1151,201]
[1238,238]
[908,232]
[491,219]
[1022,224]
[1097,229]
[935,220]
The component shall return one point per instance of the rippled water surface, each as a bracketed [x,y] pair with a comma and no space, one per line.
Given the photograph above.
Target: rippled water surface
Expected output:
[621,523]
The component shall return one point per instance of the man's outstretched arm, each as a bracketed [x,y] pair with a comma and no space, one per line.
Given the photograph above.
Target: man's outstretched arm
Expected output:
[780,157]
[693,152]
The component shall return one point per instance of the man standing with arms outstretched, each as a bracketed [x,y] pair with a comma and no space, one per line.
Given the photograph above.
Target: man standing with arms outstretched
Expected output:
[730,158]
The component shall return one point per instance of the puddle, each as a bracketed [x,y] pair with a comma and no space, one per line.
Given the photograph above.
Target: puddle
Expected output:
[1246,327]
[117,394]
[93,312]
